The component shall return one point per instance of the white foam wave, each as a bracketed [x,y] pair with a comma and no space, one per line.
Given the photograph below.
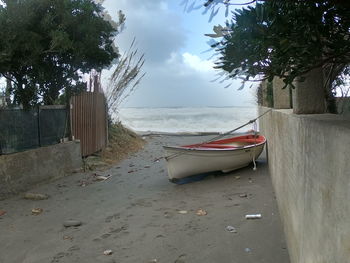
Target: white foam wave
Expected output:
[187,120]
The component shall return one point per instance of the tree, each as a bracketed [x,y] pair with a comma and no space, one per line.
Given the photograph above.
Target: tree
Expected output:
[46,46]
[285,39]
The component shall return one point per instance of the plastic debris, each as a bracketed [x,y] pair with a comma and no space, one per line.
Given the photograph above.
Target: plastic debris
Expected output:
[237,177]
[157,159]
[153,261]
[183,212]
[35,196]
[243,195]
[248,250]
[102,177]
[2,212]
[67,237]
[71,222]
[37,211]
[253,216]
[83,183]
[201,212]
[107,252]
[231,229]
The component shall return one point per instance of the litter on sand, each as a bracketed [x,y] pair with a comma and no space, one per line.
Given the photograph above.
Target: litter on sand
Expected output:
[231,229]
[183,212]
[102,177]
[35,196]
[37,211]
[2,212]
[253,216]
[201,212]
[107,252]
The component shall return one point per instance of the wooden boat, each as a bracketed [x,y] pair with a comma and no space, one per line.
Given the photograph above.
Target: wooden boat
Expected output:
[221,155]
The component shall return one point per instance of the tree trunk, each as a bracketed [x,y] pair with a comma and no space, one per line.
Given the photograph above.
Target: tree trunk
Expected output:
[8,92]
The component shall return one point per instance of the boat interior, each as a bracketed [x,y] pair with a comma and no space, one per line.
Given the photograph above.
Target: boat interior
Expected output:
[230,143]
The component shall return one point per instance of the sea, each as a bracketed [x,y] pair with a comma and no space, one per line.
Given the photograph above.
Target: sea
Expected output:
[187,119]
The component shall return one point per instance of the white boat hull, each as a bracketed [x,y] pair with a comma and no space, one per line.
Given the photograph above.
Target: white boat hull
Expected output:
[182,162]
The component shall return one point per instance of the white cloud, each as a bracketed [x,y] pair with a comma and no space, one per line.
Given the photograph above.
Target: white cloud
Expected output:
[157,29]
[174,75]
[197,63]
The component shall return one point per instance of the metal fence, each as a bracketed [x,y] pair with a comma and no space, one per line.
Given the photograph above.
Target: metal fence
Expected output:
[21,130]
[88,115]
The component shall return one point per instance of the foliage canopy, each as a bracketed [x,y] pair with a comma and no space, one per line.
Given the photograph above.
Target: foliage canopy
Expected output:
[45,45]
[285,39]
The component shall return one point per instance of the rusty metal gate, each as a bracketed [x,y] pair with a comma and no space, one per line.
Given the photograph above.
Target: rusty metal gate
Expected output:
[88,115]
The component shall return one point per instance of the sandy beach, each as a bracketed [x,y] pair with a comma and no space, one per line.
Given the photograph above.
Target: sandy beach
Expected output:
[141,217]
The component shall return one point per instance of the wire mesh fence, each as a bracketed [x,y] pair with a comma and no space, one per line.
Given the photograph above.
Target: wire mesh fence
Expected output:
[21,130]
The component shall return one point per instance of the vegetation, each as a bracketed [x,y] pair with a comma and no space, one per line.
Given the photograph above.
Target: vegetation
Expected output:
[46,45]
[284,39]
[122,142]
[125,78]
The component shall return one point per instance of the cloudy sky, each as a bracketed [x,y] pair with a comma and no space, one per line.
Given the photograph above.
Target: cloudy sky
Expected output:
[178,73]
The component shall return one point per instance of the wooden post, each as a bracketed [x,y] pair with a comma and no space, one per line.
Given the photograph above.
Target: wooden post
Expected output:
[39,133]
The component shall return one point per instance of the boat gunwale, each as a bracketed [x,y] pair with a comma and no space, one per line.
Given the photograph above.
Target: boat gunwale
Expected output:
[182,148]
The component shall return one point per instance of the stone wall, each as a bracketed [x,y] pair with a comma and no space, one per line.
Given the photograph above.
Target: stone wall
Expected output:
[309,164]
[21,171]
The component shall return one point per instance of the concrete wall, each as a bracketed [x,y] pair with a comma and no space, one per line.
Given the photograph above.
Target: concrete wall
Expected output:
[309,164]
[308,95]
[343,105]
[21,171]
[281,96]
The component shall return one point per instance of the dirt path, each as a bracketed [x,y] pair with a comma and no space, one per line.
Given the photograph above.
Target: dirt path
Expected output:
[135,213]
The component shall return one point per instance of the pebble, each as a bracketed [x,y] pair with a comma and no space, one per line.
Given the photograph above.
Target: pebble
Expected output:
[71,222]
